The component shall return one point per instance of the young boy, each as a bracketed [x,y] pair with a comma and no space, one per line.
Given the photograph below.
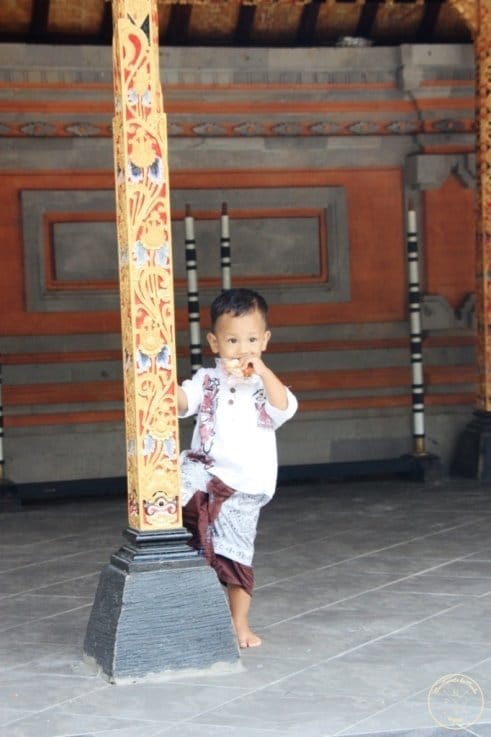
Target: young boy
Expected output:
[230,471]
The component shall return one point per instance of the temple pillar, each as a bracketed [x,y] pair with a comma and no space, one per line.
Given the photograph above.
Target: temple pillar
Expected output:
[158,608]
[472,456]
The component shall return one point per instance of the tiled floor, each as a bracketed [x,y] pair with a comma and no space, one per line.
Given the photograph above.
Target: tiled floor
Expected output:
[367,594]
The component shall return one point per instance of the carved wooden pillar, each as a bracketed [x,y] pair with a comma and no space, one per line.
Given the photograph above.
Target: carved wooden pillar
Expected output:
[145,618]
[145,266]
[473,453]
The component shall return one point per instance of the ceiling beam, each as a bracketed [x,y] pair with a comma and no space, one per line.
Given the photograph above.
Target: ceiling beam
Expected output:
[367,18]
[39,19]
[178,26]
[245,24]
[106,31]
[308,22]
[429,20]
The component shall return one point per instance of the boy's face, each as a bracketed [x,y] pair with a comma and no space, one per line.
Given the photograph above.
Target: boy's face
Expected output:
[237,336]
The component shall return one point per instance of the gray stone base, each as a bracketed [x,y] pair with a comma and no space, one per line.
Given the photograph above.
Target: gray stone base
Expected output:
[472,457]
[155,618]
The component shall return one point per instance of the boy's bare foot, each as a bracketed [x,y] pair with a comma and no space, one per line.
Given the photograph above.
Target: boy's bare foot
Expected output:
[246,637]
[240,601]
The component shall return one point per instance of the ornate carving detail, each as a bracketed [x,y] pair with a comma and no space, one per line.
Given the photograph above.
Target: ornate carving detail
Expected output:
[145,264]
[37,129]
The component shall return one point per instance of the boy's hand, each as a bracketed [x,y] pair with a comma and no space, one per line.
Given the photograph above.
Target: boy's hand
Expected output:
[275,391]
[239,367]
[252,364]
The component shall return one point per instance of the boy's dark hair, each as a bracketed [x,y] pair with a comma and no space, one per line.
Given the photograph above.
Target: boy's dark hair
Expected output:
[237,302]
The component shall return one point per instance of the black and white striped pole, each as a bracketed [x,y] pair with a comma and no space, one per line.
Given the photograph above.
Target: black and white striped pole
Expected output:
[193,294]
[225,255]
[416,343]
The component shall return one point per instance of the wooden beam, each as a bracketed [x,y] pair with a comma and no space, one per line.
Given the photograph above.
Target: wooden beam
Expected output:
[367,18]
[39,19]
[178,26]
[429,20]
[308,22]
[106,32]
[245,24]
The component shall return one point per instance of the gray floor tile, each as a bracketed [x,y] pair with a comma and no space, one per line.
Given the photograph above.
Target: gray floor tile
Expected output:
[415,715]
[155,703]
[335,629]
[143,730]
[482,556]
[57,723]
[191,729]
[18,655]
[465,624]
[383,673]
[468,568]
[438,583]
[85,586]
[259,669]
[299,595]
[64,568]
[408,665]
[17,610]
[40,553]
[452,545]
[387,601]
[10,715]
[59,660]
[63,629]
[21,690]
[295,716]
[388,562]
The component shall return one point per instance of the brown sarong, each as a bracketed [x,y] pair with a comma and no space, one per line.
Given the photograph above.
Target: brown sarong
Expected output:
[199,514]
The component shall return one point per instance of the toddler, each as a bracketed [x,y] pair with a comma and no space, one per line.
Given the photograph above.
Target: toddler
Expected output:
[230,471]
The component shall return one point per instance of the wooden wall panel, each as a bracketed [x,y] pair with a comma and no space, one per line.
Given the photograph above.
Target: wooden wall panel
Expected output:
[375,225]
[14,318]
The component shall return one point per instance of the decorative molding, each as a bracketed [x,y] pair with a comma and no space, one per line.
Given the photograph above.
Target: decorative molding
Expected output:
[216,126]
[61,276]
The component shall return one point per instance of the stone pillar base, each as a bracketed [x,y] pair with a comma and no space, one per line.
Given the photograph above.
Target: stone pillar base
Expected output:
[159,609]
[472,457]
[425,467]
[9,496]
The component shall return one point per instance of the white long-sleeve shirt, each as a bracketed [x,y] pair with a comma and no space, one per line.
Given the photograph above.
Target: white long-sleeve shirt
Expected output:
[235,428]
